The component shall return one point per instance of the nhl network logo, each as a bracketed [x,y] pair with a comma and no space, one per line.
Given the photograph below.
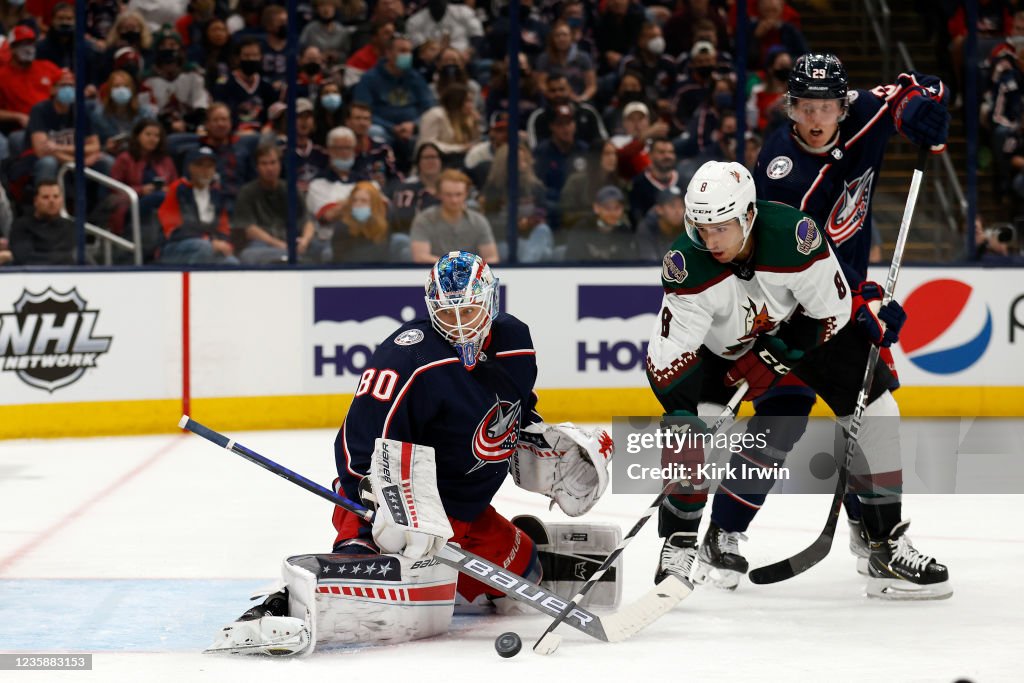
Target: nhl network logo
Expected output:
[48,340]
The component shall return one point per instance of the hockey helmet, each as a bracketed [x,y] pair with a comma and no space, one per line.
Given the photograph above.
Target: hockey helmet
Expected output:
[462,301]
[819,76]
[718,192]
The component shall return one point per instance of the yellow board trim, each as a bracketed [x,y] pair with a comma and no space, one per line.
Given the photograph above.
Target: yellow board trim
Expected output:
[46,420]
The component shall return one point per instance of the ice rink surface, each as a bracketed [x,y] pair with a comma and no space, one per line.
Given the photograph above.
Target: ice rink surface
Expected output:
[138,549]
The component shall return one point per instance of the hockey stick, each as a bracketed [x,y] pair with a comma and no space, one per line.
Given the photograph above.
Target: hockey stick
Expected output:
[819,549]
[665,595]
[609,628]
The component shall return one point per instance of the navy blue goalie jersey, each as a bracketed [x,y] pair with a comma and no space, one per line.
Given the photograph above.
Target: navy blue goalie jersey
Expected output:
[415,389]
[836,187]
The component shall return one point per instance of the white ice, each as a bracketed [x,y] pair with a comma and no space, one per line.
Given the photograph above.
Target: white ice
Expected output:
[138,549]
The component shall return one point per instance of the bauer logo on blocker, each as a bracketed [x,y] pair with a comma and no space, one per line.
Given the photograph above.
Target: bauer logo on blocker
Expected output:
[948,329]
[49,339]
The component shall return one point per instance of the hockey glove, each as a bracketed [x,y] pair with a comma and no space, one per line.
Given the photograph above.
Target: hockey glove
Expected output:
[564,462]
[768,361]
[921,119]
[683,449]
[880,324]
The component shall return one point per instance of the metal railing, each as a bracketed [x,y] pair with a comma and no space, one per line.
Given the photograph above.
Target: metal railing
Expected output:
[109,239]
[879,18]
[946,183]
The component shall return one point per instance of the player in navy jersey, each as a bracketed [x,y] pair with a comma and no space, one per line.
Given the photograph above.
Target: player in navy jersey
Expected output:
[826,164]
[444,410]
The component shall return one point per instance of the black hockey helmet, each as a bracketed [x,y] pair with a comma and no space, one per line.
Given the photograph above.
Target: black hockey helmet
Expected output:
[818,75]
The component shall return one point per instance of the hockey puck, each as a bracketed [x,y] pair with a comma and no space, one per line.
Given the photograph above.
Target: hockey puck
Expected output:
[508,644]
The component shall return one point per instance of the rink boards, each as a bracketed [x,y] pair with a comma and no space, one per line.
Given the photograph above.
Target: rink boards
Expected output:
[129,351]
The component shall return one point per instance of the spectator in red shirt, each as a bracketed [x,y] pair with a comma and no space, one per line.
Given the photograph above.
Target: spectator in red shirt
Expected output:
[25,81]
[365,58]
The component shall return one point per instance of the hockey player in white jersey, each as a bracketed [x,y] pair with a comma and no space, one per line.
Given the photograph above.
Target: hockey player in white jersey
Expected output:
[753,291]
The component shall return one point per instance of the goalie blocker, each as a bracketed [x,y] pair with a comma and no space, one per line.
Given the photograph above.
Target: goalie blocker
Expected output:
[345,599]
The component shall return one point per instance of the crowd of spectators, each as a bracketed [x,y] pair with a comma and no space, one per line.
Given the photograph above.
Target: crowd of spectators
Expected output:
[402,117]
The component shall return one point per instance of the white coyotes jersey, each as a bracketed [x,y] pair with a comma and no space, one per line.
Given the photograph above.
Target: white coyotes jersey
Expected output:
[708,304]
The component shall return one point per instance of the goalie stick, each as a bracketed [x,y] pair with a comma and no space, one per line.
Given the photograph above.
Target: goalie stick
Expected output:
[654,604]
[610,628]
[819,549]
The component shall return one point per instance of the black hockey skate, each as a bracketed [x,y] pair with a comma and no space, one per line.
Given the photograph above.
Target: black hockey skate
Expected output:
[718,560]
[859,546]
[677,556]
[897,571]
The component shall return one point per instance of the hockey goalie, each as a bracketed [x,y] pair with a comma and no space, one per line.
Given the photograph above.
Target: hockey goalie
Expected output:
[443,412]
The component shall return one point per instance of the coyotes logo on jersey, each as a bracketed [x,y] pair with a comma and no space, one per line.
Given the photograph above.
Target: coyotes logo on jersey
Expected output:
[851,208]
[497,435]
[757,321]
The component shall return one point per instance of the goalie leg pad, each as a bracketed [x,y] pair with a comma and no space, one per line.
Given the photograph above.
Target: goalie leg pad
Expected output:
[571,552]
[383,599]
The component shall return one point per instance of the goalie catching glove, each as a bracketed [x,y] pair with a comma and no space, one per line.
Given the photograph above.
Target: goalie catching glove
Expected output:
[410,519]
[564,462]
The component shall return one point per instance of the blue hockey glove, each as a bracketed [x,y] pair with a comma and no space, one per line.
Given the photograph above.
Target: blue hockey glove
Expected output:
[870,322]
[921,119]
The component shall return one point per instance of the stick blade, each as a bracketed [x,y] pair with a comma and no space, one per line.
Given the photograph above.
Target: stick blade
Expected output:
[547,644]
[635,617]
[183,422]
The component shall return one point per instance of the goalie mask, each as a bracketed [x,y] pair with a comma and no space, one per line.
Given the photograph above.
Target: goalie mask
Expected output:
[462,301]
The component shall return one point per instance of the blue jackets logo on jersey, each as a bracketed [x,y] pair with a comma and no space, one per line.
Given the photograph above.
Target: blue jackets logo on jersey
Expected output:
[497,435]
[851,208]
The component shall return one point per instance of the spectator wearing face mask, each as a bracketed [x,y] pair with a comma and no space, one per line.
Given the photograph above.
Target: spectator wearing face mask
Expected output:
[327,112]
[695,85]
[116,111]
[361,233]
[657,70]
[766,104]
[328,191]
[275,45]
[59,44]
[451,68]
[100,16]
[129,31]
[25,81]
[327,33]
[174,89]
[311,73]
[247,94]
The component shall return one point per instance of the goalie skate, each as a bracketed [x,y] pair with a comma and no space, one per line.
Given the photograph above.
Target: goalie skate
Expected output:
[262,631]
[899,572]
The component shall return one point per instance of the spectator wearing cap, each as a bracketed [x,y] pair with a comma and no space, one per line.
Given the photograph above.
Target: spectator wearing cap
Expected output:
[146,167]
[661,225]
[695,85]
[374,158]
[116,111]
[128,60]
[444,24]
[44,237]
[328,191]
[59,44]
[617,31]
[177,94]
[557,157]
[451,225]
[657,70]
[51,134]
[369,55]
[630,89]
[659,176]
[418,191]
[481,155]
[633,143]
[194,217]
[25,81]
[607,236]
[261,215]
[247,94]
[563,55]
[765,106]
[310,158]
[327,33]
[398,96]
[589,126]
